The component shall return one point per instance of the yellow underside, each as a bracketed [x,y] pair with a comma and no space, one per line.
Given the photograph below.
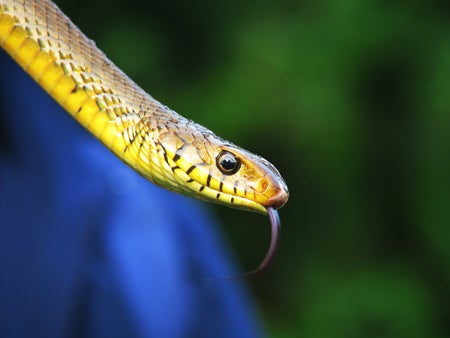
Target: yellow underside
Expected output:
[42,66]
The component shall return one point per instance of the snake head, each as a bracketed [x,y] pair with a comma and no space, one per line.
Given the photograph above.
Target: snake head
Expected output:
[203,165]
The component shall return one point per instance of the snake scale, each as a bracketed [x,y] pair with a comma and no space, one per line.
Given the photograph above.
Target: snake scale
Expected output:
[166,148]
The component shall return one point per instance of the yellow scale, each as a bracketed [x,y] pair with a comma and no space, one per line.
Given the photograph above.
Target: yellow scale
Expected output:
[86,100]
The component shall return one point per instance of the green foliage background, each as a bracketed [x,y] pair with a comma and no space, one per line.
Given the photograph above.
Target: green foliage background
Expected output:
[350,100]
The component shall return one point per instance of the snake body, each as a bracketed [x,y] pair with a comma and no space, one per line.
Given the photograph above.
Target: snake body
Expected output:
[166,148]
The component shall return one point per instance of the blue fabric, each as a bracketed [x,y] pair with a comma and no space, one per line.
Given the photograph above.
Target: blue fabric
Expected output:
[90,249]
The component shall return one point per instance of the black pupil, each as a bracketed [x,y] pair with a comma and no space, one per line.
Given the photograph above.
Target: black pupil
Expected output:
[228,163]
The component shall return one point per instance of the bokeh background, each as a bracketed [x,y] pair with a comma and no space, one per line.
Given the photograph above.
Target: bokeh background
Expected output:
[350,100]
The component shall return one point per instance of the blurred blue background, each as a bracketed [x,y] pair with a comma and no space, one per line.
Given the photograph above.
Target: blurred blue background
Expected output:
[350,100]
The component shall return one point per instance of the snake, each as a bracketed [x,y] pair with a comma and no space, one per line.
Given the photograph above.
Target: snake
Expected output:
[164,147]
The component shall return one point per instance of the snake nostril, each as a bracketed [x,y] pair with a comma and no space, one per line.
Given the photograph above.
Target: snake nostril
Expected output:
[262,185]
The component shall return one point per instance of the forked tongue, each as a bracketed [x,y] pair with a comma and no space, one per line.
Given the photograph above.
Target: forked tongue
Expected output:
[270,255]
[275,224]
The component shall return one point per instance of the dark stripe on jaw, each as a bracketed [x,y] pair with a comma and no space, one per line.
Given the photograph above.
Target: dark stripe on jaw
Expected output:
[190,180]
[178,153]
[232,199]
[218,195]
[175,168]
[191,169]
[201,188]
[164,153]
[176,157]
[235,187]
[221,186]
[208,180]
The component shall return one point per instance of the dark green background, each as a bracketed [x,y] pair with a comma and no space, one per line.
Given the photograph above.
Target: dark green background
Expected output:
[350,100]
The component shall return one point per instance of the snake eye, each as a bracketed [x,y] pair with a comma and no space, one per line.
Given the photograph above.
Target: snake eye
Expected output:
[227,163]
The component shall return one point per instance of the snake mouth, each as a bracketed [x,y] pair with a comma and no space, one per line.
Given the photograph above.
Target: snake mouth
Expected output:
[278,200]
